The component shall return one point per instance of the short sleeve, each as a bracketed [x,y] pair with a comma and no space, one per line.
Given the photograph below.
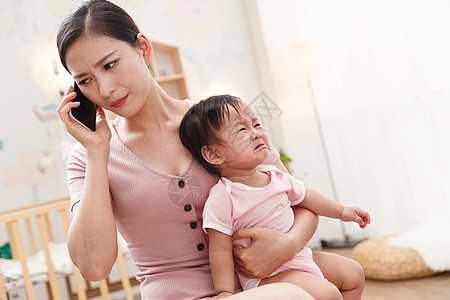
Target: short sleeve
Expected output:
[217,213]
[76,169]
[297,191]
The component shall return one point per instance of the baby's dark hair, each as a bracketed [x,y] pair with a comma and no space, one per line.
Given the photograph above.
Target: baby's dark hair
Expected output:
[96,18]
[197,126]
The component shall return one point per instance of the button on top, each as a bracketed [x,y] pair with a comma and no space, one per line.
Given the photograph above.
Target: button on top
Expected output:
[187,207]
[200,247]
[181,184]
[193,224]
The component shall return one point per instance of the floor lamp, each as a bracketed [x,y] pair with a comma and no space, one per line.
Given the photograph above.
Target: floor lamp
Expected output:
[303,67]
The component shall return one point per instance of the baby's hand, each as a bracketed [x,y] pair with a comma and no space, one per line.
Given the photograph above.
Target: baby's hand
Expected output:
[356,214]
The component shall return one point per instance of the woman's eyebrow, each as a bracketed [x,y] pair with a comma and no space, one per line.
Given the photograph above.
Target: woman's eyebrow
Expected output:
[102,60]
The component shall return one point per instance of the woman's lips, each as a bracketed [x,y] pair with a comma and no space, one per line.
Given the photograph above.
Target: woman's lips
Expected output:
[119,102]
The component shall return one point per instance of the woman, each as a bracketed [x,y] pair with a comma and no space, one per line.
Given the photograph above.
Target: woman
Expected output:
[135,174]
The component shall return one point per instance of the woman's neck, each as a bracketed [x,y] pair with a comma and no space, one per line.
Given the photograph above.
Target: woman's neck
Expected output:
[159,113]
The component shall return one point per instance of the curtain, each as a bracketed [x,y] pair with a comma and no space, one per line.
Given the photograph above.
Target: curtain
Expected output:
[383,96]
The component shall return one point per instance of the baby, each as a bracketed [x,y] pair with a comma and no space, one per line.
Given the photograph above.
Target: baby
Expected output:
[224,135]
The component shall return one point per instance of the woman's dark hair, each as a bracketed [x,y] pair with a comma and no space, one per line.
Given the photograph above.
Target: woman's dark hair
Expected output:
[197,126]
[96,18]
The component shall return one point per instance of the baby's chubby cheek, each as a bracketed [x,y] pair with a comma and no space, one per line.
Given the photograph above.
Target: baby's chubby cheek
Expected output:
[265,138]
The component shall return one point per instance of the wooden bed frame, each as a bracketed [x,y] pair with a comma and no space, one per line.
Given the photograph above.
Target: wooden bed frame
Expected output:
[41,216]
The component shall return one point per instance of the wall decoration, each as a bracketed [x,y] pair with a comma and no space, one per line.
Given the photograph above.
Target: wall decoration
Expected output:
[32,169]
[47,112]
[224,56]
[195,17]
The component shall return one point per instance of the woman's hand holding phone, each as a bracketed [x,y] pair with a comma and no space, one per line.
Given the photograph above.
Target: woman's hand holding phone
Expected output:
[89,139]
[86,112]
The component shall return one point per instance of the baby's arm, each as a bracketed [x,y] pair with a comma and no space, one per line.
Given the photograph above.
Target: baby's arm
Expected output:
[222,265]
[323,206]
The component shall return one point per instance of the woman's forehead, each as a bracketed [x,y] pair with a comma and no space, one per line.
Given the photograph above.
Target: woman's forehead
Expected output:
[88,50]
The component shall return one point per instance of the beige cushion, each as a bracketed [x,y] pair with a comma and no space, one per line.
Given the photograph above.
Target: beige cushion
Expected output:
[384,262]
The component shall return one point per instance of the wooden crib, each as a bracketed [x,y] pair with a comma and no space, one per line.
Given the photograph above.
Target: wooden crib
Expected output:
[40,222]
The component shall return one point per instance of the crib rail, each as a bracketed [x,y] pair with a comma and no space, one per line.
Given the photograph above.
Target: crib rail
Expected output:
[40,214]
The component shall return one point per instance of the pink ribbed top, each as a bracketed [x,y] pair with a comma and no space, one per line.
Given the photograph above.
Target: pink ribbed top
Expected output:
[160,218]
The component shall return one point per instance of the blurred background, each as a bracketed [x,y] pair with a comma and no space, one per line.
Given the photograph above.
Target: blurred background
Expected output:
[355,93]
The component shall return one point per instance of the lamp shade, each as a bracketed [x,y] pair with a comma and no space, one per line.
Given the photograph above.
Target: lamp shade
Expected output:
[302,61]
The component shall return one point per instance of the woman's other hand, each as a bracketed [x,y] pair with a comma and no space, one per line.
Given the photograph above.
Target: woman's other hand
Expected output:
[268,251]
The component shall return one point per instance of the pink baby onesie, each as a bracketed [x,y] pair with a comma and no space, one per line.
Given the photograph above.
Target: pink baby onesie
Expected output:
[232,206]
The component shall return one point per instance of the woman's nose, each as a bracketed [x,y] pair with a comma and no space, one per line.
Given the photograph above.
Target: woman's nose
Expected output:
[106,87]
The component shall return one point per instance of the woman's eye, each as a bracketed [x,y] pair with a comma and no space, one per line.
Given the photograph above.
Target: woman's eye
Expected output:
[257,125]
[110,65]
[241,129]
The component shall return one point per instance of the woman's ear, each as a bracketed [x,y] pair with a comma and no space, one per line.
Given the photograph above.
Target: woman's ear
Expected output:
[212,155]
[144,47]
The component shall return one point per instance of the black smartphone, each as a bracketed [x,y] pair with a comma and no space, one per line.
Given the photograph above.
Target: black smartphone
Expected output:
[86,113]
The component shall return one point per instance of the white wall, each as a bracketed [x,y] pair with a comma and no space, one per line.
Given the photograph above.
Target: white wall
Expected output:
[280,30]
[383,97]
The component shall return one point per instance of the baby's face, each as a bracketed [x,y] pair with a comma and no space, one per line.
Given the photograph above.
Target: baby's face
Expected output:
[243,140]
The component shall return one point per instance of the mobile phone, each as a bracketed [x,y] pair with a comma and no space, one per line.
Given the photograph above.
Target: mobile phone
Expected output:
[86,113]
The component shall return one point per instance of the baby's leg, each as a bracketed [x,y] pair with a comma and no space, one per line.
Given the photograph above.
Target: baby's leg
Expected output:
[283,291]
[313,284]
[345,273]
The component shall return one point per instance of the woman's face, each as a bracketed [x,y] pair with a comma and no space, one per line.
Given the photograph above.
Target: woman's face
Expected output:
[111,73]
